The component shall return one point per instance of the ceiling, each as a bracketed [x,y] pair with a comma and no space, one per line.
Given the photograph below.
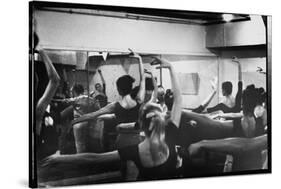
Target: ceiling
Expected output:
[205,18]
[151,14]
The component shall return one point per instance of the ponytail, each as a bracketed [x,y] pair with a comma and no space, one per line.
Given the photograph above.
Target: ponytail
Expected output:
[157,138]
[153,124]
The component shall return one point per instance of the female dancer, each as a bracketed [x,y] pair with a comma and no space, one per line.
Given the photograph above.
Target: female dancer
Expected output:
[44,145]
[235,147]
[125,110]
[248,126]
[155,157]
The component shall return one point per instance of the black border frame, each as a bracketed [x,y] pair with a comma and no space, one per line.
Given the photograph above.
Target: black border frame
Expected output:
[157,12]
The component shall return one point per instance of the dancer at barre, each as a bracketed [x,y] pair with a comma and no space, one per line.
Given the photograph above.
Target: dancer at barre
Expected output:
[126,110]
[209,98]
[44,100]
[229,103]
[249,125]
[100,91]
[244,126]
[156,156]
[235,147]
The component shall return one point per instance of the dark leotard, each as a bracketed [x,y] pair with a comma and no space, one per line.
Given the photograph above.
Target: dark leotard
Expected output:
[127,136]
[47,142]
[246,160]
[124,115]
[165,170]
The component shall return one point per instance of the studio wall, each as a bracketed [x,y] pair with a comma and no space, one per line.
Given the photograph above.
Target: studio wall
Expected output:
[84,32]
[250,60]
[182,44]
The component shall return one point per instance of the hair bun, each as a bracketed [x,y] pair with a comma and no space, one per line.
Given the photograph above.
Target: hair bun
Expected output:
[131,79]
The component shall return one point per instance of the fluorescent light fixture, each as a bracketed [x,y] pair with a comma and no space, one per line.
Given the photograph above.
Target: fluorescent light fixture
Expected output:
[227,17]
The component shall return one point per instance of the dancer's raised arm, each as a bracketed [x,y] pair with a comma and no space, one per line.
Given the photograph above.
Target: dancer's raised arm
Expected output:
[207,101]
[177,105]
[141,93]
[103,81]
[54,81]
[155,87]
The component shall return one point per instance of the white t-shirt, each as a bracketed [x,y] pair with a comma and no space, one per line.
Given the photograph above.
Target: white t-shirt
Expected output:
[228,101]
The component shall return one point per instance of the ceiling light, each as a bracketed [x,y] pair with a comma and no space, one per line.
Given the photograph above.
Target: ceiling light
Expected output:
[227,17]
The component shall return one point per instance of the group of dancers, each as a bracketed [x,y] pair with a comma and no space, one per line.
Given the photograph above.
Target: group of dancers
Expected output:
[155,133]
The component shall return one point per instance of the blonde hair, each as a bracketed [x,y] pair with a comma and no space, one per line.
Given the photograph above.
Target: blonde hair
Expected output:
[153,123]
